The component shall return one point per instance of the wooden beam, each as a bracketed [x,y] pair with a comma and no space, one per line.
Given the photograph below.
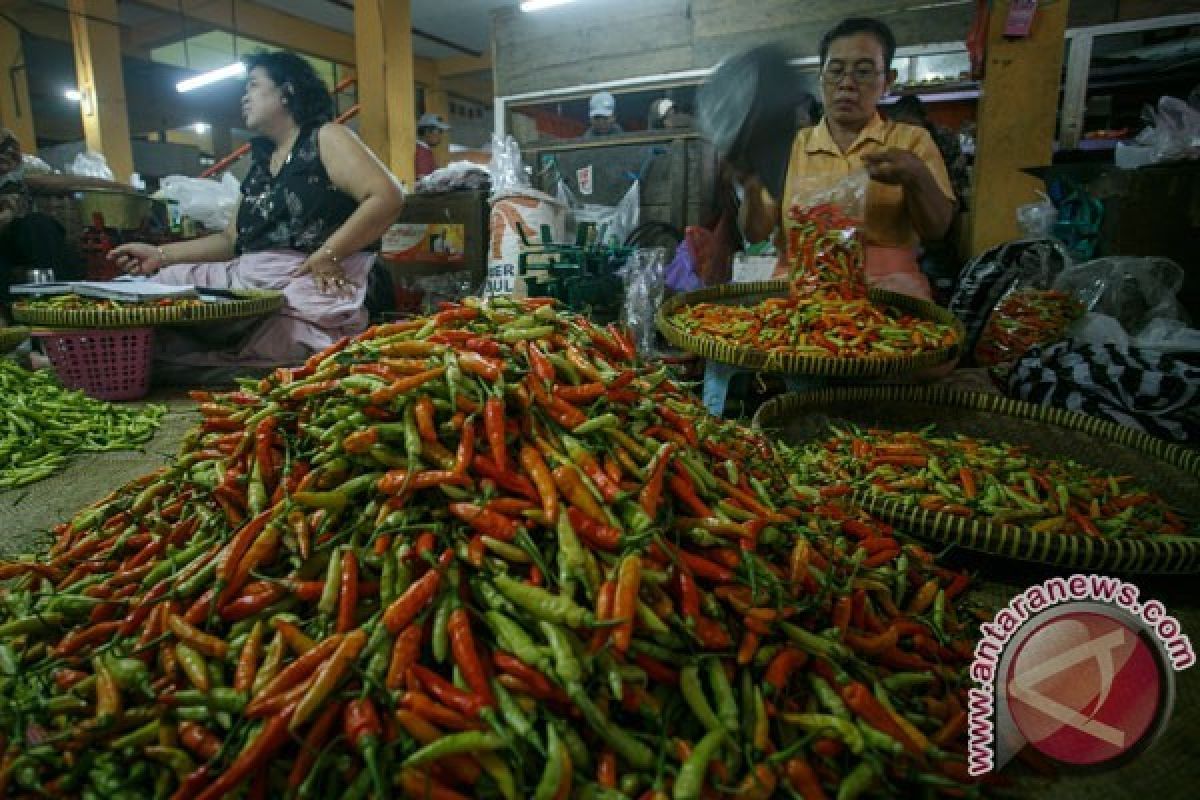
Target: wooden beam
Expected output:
[15,111]
[97,41]
[266,25]
[160,33]
[1017,112]
[386,91]
[463,65]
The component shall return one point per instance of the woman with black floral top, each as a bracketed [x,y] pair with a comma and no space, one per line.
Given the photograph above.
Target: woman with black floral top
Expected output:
[314,199]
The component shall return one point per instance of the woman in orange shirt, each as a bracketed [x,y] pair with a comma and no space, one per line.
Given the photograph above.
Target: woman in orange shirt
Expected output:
[909,199]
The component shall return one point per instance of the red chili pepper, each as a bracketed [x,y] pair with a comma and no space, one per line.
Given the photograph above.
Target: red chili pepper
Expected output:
[491,370]
[466,655]
[314,742]
[447,693]
[202,742]
[404,609]
[364,732]
[485,347]
[405,652]
[348,595]
[484,521]
[256,757]
[535,466]
[582,395]
[493,425]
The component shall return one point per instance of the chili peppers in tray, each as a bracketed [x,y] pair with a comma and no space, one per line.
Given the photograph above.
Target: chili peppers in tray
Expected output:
[1024,319]
[484,554]
[987,480]
[42,425]
[76,302]
[830,322]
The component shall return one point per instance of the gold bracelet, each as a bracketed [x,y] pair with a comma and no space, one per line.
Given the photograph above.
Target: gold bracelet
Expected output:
[332,255]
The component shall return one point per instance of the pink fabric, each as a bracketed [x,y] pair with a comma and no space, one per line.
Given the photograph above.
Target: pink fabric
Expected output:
[895,269]
[424,161]
[309,320]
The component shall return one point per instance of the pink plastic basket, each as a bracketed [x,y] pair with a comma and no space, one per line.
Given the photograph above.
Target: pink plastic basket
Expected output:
[106,364]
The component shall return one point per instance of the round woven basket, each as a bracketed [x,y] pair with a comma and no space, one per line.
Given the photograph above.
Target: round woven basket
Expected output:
[248,303]
[1170,470]
[795,363]
[11,337]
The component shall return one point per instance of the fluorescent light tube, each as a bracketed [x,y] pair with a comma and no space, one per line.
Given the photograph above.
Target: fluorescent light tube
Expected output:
[204,79]
[542,5]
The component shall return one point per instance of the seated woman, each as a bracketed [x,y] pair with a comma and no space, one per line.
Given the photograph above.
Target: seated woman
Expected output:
[909,198]
[313,200]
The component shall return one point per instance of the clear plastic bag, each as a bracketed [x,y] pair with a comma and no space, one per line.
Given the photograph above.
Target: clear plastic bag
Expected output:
[987,279]
[1133,291]
[825,233]
[1175,130]
[507,167]
[90,165]
[1024,318]
[1037,220]
[613,224]
[645,284]
[211,203]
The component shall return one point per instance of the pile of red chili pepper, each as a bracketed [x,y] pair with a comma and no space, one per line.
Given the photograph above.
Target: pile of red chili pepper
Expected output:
[825,248]
[986,480]
[484,554]
[1024,319]
[830,322]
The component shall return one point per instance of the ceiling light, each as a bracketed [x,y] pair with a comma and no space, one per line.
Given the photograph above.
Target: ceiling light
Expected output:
[200,127]
[233,70]
[74,95]
[542,5]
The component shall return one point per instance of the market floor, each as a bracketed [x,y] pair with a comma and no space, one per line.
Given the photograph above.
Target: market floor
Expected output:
[26,514]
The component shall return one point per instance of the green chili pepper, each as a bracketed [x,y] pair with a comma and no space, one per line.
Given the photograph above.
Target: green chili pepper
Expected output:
[544,605]
[637,754]
[693,695]
[552,774]
[453,744]
[566,665]
[845,729]
[690,780]
[860,780]
[727,709]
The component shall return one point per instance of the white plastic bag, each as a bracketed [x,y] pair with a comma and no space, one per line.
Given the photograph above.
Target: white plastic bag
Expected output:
[613,223]
[457,175]
[90,165]
[211,203]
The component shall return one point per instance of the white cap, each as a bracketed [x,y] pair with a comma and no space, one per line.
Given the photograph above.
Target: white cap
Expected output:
[602,105]
[432,121]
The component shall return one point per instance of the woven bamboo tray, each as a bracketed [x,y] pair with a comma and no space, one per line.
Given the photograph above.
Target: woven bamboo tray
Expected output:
[1170,470]
[795,363]
[11,337]
[249,303]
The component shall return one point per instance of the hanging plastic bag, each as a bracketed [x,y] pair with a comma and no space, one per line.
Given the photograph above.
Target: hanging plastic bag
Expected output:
[507,167]
[613,223]
[1175,131]
[210,203]
[90,165]
[683,273]
[825,240]
[645,286]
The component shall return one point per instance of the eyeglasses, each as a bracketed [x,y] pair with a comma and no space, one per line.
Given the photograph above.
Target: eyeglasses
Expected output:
[860,75]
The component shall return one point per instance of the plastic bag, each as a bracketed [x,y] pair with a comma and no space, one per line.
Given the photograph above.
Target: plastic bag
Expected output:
[645,286]
[613,223]
[1025,318]
[987,279]
[90,165]
[683,271]
[458,175]
[1134,291]
[211,203]
[1175,131]
[825,243]
[506,167]
[1037,220]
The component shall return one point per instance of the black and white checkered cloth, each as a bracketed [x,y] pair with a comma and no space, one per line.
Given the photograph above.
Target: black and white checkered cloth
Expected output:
[1149,390]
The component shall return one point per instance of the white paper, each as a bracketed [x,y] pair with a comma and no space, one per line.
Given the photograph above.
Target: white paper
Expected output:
[748,269]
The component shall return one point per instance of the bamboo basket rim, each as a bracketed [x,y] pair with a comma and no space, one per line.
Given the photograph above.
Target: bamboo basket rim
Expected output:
[250,303]
[1166,555]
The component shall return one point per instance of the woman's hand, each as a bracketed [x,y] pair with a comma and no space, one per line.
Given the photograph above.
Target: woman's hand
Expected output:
[327,273]
[138,258]
[894,166]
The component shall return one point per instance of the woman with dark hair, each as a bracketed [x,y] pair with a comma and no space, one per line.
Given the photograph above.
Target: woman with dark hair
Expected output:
[314,199]
[909,199]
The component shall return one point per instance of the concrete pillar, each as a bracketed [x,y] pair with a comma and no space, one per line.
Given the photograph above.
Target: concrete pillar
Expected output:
[386,92]
[15,112]
[1017,113]
[97,42]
